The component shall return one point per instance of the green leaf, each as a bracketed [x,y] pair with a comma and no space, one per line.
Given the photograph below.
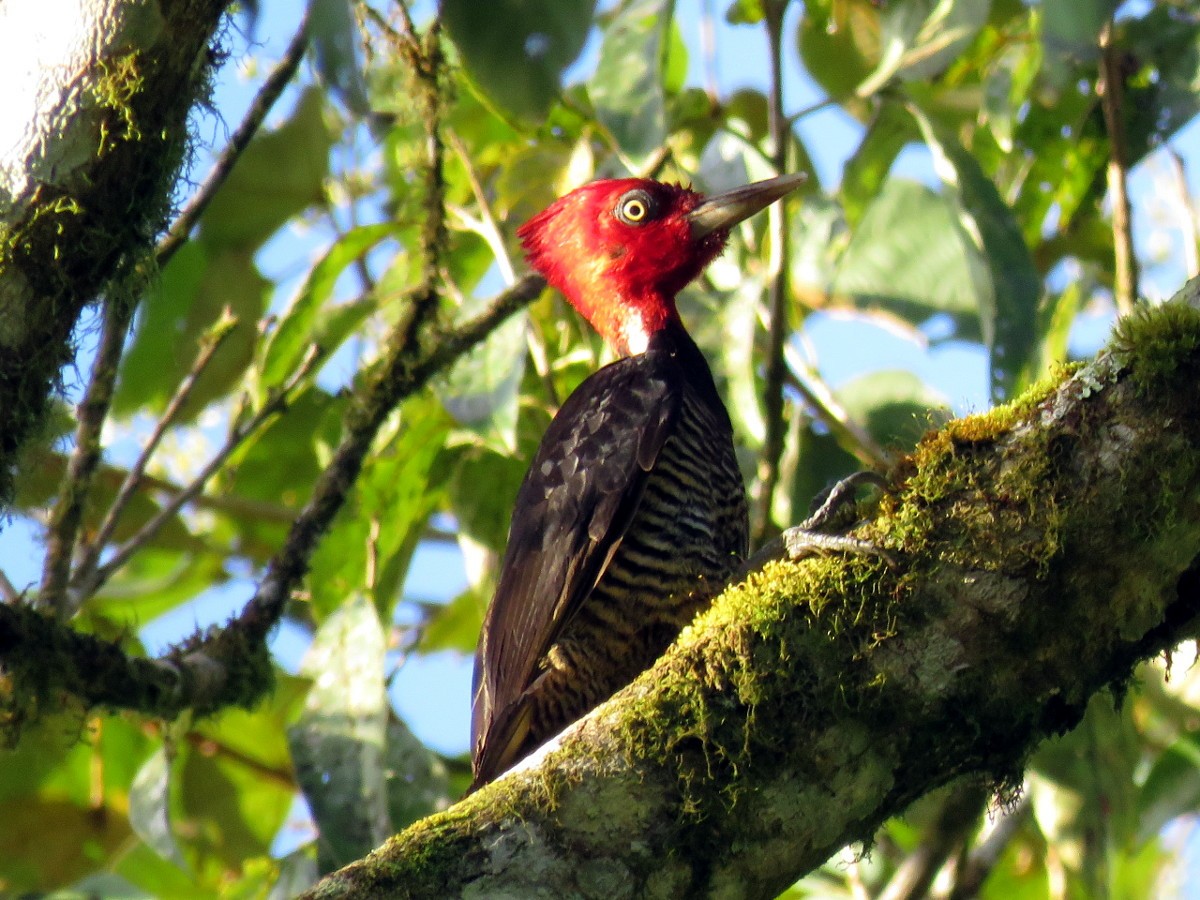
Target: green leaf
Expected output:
[518,65]
[280,174]
[338,742]
[920,38]
[398,489]
[455,625]
[62,790]
[890,129]
[231,784]
[839,42]
[149,807]
[153,582]
[310,319]
[628,89]
[744,12]
[482,390]
[418,783]
[1010,287]
[196,289]
[335,43]
[1172,788]
[896,406]
[908,256]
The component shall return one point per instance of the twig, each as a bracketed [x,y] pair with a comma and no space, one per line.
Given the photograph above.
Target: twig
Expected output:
[237,434]
[983,859]
[1191,237]
[1125,274]
[398,378]
[773,405]
[426,61]
[67,516]
[485,226]
[267,95]
[90,555]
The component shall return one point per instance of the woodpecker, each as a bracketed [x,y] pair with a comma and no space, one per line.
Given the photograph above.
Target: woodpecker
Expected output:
[632,515]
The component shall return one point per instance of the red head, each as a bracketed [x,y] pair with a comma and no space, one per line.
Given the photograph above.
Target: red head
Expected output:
[621,250]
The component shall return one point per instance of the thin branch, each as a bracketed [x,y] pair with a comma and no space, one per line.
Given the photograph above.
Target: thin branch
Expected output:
[1111,87]
[708,52]
[399,377]
[238,433]
[90,556]
[777,291]
[271,90]
[1187,215]
[485,226]
[67,516]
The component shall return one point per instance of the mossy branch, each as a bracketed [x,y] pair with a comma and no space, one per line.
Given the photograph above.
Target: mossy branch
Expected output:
[1042,549]
[89,186]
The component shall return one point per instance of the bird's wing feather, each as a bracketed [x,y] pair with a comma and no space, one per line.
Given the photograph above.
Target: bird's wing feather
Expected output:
[572,510]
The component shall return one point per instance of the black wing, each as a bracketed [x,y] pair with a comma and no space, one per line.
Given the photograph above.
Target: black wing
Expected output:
[572,510]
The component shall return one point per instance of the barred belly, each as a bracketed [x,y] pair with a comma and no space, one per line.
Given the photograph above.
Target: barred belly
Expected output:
[687,537]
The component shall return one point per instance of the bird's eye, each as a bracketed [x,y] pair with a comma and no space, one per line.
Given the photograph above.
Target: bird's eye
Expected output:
[635,208]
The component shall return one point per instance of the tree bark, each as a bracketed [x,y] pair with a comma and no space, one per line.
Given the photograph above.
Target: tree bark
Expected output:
[98,93]
[1041,551]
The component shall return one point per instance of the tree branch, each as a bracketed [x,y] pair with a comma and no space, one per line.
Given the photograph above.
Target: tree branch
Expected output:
[229,665]
[777,326]
[271,91]
[67,516]
[1044,549]
[1112,94]
[88,185]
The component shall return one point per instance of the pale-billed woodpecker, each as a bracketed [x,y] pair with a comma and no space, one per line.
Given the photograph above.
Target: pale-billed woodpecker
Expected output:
[633,512]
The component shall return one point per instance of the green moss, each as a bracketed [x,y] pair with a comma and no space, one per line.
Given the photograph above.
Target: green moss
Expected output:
[1154,343]
[118,82]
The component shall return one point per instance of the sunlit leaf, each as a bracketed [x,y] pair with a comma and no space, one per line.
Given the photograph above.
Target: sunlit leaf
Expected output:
[1010,289]
[335,43]
[628,87]
[919,38]
[149,807]
[309,319]
[518,66]
[338,744]
[839,41]
[280,174]
[908,256]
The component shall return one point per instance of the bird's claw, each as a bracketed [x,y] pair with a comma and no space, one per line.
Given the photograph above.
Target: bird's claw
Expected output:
[799,542]
[819,534]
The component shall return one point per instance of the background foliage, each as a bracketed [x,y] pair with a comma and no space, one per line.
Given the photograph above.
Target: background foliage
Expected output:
[1026,116]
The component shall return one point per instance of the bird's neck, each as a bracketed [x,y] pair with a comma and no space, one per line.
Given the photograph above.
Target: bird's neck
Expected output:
[628,320]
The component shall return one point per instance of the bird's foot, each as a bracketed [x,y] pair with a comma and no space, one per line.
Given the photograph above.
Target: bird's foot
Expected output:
[835,512]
